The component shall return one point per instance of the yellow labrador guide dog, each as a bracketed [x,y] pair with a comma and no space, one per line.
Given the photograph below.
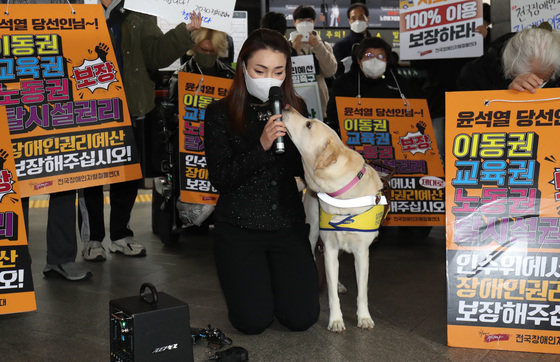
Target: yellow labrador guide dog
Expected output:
[351,206]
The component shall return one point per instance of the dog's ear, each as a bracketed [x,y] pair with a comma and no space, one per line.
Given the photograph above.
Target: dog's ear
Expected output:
[328,156]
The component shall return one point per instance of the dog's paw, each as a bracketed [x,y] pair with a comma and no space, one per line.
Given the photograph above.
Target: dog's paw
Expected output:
[341,288]
[365,323]
[337,326]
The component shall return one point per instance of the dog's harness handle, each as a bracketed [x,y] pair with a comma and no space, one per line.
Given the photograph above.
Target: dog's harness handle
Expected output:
[385,179]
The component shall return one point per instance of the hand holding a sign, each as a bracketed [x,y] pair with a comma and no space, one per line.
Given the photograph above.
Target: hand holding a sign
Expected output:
[272,130]
[195,21]
[526,81]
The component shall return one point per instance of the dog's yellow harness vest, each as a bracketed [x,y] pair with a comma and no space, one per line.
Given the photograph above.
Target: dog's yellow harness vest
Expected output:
[368,221]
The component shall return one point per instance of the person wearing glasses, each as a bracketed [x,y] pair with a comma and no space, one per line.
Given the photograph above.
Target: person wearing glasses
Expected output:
[371,76]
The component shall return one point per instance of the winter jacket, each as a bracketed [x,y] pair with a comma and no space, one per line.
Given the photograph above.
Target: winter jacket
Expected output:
[257,187]
[326,63]
[145,49]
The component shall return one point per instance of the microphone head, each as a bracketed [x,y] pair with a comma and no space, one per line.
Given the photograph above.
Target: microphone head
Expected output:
[275,93]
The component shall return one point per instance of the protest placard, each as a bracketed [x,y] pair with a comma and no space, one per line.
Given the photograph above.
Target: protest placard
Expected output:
[64,97]
[386,131]
[195,94]
[503,224]
[439,30]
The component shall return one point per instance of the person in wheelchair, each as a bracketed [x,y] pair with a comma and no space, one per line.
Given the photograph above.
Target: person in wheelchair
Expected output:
[169,215]
[205,58]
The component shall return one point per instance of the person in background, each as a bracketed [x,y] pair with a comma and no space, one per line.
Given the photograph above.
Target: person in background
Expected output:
[358,17]
[62,245]
[371,76]
[274,21]
[532,60]
[140,47]
[262,252]
[206,57]
[323,57]
[523,61]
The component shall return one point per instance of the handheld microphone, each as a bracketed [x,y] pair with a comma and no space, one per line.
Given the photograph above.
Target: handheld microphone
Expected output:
[274,96]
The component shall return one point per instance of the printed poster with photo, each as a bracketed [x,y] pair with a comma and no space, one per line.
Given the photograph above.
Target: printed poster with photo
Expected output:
[440,29]
[386,131]
[503,220]
[16,283]
[64,98]
[195,94]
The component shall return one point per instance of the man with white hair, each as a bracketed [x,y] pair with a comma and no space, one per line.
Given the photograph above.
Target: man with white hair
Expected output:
[523,61]
[532,59]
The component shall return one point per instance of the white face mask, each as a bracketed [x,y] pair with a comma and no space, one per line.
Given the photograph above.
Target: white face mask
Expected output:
[304,27]
[260,87]
[359,26]
[374,68]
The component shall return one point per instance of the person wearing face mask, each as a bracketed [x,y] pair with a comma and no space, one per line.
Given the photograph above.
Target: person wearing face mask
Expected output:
[205,58]
[371,76]
[305,41]
[358,17]
[262,253]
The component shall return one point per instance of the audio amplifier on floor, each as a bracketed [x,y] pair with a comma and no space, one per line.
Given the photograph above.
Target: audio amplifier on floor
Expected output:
[150,327]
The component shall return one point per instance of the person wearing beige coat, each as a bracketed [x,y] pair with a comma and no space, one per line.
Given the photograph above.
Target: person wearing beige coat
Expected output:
[305,41]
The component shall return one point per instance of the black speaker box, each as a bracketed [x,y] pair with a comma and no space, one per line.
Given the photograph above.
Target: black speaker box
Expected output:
[155,329]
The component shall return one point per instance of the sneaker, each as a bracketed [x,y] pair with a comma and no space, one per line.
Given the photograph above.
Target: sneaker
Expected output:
[94,251]
[69,271]
[127,246]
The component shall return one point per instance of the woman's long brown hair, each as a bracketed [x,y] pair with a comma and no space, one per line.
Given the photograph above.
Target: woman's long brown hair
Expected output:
[236,100]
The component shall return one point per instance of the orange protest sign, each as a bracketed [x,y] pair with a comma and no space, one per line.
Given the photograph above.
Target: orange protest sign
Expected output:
[385,130]
[16,283]
[195,93]
[66,108]
[503,224]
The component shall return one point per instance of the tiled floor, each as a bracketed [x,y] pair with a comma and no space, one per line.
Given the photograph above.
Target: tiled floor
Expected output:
[406,297]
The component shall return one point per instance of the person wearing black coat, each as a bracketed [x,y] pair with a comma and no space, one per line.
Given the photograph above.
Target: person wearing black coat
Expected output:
[262,250]
[522,61]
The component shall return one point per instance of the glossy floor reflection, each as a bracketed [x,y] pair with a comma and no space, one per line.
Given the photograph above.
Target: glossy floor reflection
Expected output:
[407,297]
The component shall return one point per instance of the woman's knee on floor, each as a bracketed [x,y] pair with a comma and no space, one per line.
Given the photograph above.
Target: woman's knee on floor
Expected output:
[299,320]
[251,322]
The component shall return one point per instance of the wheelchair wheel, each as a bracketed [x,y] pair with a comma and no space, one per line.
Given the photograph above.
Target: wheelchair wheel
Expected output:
[156,203]
[163,219]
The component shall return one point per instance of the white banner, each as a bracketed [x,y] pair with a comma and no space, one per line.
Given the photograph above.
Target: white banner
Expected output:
[216,14]
[442,30]
[528,14]
[305,84]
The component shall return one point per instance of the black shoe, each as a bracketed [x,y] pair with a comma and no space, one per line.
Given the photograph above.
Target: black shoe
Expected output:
[69,271]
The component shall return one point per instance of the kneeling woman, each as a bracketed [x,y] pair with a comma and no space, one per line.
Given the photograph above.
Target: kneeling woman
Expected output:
[263,256]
